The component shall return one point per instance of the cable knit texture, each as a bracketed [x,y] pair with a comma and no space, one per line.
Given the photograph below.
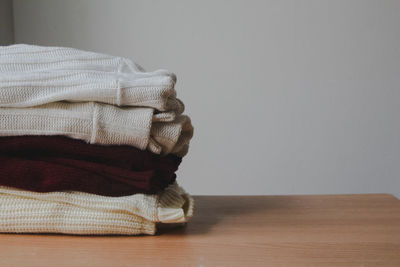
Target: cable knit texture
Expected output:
[34,75]
[104,124]
[83,213]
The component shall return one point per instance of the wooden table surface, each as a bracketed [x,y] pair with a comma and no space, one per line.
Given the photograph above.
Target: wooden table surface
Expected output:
[335,230]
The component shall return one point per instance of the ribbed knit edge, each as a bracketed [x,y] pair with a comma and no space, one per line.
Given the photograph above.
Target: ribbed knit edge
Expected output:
[121,126]
[174,205]
[182,130]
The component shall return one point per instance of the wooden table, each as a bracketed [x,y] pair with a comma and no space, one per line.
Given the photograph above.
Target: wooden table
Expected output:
[336,230]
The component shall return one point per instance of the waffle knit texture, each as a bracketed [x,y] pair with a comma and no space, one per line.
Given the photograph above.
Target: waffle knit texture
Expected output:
[89,214]
[103,124]
[34,75]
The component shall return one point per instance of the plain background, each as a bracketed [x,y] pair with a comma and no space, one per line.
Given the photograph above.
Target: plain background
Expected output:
[287,97]
[6,22]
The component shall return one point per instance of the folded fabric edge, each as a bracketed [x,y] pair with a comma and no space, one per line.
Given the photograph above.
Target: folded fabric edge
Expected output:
[175,205]
[171,205]
[172,137]
[148,228]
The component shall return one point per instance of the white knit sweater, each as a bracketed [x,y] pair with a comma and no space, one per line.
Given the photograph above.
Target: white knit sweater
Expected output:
[34,75]
[102,124]
[82,213]
[27,58]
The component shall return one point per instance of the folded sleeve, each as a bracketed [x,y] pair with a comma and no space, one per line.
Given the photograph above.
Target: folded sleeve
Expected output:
[101,124]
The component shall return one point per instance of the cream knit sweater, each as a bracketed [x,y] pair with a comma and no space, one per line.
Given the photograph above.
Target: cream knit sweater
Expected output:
[82,213]
[34,75]
[102,124]
[103,100]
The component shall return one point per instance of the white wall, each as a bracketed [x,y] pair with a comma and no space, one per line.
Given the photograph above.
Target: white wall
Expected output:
[6,22]
[287,97]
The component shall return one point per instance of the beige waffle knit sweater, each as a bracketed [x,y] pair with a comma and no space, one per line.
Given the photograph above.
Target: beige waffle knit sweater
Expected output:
[34,75]
[102,124]
[81,213]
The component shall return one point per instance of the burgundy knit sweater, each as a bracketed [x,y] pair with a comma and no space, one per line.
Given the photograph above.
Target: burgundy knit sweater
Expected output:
[56,163]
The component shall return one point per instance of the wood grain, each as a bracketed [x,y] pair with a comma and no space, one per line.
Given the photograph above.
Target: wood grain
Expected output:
[334,230]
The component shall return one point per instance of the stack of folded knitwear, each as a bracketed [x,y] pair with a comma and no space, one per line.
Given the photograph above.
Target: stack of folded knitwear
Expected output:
[89,144]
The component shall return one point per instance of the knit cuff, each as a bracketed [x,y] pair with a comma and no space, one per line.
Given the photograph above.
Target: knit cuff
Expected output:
[171,137]
[153,90]
[119,126]
[174,205]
